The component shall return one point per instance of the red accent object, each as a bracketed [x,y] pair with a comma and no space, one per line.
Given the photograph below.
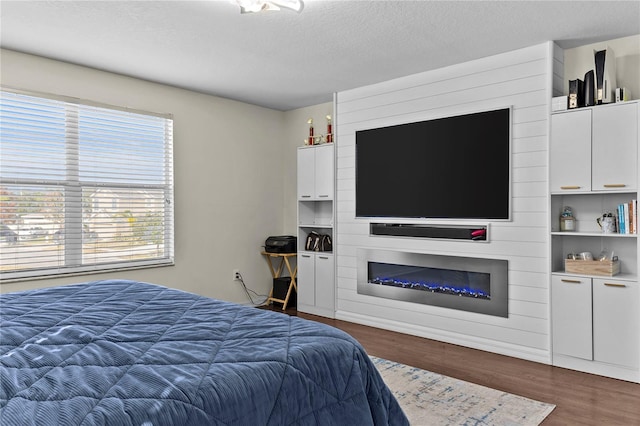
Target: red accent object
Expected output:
[311,135]
[329,133]
[479,232]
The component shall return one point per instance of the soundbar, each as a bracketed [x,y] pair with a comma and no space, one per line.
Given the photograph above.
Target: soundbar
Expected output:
[473,233]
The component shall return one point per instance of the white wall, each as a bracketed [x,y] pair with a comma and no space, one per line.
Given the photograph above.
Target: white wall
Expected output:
[229,158]
[580,60]
[522,79]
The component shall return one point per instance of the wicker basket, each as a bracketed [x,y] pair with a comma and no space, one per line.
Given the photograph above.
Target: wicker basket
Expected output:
[606,268]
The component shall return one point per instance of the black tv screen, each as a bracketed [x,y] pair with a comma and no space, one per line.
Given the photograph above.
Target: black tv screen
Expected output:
[447,168]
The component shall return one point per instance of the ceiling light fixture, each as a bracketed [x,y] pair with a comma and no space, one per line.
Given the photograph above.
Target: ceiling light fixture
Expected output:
[250,6]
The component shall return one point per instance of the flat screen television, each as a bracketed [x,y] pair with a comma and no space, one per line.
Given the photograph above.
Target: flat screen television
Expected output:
[447,168]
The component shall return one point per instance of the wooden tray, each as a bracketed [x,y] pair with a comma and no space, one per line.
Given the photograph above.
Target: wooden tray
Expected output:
[606,268]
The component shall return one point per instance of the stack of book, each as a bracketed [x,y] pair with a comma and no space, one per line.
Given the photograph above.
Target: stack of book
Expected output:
[628,217]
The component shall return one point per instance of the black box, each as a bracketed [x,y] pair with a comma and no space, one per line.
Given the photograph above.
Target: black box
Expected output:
[280,288]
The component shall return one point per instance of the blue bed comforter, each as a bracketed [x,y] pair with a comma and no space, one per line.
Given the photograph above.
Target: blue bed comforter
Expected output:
[128,353]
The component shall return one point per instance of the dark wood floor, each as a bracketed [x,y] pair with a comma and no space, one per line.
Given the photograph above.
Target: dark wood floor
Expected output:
[580,398]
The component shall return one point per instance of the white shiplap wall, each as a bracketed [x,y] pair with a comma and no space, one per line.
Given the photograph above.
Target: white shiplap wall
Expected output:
[522,79]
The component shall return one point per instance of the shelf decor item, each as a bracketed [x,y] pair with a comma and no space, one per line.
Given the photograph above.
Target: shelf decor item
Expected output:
[310,123]
[329,130]
[567,221]
[559,103]
[607,268]
[607,223]
[622,94]
[589,89]
[605,75]
[576,93]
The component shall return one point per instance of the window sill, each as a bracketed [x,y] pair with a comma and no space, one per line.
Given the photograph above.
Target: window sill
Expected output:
[47,275]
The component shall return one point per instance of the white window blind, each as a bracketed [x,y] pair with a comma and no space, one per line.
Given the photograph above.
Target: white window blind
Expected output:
[82,187]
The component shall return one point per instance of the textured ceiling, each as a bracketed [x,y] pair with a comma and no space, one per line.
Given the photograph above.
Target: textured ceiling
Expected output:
[285,60]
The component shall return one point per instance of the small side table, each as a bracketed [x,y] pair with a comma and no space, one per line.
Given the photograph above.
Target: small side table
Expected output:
[275,273]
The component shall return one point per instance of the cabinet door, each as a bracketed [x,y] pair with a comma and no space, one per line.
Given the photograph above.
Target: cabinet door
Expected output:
[615,147]
[571,316]
[616,322]
[570,163]
[324,172]
[325,282]
[306,279]
[306,173]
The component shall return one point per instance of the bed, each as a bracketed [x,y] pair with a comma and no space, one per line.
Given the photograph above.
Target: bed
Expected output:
[121,352]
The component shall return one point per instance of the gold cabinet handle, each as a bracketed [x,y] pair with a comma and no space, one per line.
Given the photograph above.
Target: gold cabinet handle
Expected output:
[570,187]
[614,285]
[614,185]
[570,281]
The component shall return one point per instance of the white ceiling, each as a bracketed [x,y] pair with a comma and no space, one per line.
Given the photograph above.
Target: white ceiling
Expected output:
[284,60]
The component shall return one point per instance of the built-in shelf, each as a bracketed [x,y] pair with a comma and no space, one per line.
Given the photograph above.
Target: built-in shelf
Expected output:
[594,318]
[315,225]
[316,269]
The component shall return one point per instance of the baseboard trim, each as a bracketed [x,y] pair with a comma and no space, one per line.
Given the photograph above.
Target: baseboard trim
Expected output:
[522,352]
[595,367]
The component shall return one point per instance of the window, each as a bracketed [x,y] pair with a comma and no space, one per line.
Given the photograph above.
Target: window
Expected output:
[82,187]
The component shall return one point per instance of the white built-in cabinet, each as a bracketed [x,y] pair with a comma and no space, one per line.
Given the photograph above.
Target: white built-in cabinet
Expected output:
[572,316]
[615,148]
[316,270]
[315,275]
[598,151]
[595,320]
[570,165]
[616,328]
[315,172]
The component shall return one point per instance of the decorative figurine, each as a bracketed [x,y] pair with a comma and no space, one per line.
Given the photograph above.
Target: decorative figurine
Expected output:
[329,130]
[310,122]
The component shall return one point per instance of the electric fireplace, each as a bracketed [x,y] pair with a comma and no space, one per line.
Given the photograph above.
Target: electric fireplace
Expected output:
[465,283]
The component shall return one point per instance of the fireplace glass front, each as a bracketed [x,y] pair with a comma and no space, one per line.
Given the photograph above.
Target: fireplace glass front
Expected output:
[464,283]
[434,280]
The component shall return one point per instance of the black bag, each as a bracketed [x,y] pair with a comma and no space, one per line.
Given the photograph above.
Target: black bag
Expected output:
[318,242]
[325,243]
[281,244]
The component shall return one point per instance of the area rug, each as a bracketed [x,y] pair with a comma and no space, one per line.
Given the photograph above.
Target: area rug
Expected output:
[433,399]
